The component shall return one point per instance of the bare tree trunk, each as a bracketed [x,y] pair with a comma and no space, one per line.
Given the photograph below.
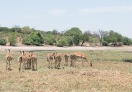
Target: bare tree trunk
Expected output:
[82,43]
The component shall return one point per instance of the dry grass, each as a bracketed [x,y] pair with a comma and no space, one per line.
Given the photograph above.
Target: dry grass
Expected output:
[108,74]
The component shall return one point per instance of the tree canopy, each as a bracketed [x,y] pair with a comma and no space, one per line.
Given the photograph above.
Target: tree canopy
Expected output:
[72,36]
[73,31]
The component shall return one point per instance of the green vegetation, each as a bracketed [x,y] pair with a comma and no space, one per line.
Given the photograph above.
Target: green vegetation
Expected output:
[73,36]
[34,38]
[12,39]
[3,42]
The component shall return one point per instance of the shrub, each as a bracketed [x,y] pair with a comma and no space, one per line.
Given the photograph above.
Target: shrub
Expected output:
[119,43]
[76,40]
[61,43]
[50,41]
[69,42]
[34,38]
[27,41]
[3,42]
[105,43]
[127,41]
[12,39]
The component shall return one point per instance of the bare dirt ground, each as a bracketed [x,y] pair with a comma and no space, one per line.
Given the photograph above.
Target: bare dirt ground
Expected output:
[34,48]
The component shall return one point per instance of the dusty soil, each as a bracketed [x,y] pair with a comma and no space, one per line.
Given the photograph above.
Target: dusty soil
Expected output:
[33,48]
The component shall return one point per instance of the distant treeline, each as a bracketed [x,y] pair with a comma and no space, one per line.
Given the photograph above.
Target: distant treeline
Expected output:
[73,36]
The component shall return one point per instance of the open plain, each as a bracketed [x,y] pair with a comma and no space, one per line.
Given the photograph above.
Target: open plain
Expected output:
[110,72]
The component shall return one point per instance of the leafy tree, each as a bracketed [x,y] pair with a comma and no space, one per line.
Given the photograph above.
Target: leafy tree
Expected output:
[50,40]
[12,39]
[65,41]
[3,42]
[76,39]
[26,30]
[4,29]
[69,42]
[74,34]
[54,32]
[127,41]
[27,40]
[113,37]
[61,43]
[105,43]
[15,29]
[34,38]
[73,31]
[85,37]
[94,38]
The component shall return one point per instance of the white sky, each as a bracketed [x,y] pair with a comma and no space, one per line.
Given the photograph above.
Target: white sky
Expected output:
[64,14]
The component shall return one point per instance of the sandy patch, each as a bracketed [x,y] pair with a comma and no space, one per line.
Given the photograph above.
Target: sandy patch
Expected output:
[31,48]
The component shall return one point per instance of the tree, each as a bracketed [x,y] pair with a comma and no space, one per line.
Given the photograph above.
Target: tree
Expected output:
[27,40]
[12,39]
[69,42]
[73,31]
[101,36]
[61,43]
[50,40]
[26,30]
[54,32]
[15,29]
[34,38]
[4,29]
[74,34]
[76,39]
[127,41]
[3,42]
[113,37]
[85,37]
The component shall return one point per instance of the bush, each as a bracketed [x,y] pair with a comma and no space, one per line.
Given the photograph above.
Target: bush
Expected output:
[61,43]
[76,40]
[127,41]
[50,41]
[3,42]
[119,43]
[12,39]
[34,38]
[105,43]
[27,41]
[69,42]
